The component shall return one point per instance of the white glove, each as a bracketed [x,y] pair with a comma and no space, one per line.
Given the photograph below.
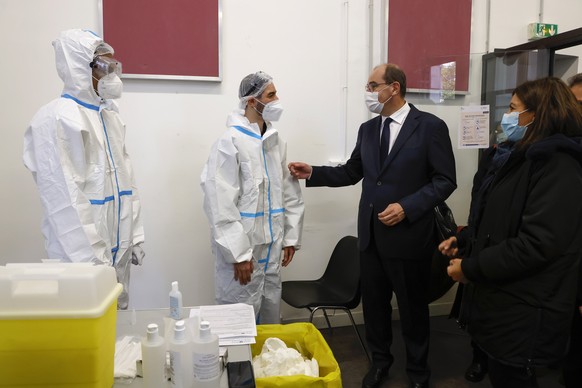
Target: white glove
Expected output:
[137,255]
[127,352]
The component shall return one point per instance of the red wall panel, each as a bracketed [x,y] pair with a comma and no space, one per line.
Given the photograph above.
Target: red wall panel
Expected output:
[425,33]
[164,37]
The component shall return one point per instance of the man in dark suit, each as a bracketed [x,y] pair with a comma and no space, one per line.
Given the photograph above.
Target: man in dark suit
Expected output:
[405,159]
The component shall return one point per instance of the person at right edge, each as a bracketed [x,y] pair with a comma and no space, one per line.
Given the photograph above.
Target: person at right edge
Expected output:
[405,159]
[572,371]
[518,258]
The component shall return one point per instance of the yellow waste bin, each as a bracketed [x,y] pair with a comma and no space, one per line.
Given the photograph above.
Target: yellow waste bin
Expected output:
[312,345]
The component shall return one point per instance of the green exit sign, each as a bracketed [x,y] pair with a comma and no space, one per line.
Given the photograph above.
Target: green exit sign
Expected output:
[541,30]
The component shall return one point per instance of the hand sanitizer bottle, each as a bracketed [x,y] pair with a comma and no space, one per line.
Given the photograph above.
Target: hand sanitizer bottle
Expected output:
[181,371]
[205,358]
[153,353]
[175,302]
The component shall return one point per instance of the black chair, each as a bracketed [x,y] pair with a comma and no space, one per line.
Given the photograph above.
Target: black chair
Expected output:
[338,288]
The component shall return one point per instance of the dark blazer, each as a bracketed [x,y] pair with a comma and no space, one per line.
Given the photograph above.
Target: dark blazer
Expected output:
[418,173]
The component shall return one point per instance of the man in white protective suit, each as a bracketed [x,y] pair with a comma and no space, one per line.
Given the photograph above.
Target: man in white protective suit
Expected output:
[75,149]
[254,206]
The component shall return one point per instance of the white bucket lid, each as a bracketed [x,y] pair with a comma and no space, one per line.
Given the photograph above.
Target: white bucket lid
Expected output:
[56,290]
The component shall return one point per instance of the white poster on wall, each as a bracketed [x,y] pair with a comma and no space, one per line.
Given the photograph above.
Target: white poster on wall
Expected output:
[474,126]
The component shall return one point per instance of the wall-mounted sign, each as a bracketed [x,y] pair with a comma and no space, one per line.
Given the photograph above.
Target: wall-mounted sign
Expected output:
[541,30]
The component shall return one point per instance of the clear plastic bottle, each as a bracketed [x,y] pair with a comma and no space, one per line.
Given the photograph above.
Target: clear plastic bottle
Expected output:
[205,358]
[153,353]
[175,302]
[180,347]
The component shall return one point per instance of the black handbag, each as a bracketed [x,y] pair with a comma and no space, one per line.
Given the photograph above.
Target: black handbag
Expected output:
[446,227]
[444,221]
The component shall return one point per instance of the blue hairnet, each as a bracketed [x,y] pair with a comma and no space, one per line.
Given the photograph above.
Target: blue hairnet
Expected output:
[253,85]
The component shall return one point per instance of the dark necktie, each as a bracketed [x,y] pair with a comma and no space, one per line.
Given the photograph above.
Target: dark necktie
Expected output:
[385,140]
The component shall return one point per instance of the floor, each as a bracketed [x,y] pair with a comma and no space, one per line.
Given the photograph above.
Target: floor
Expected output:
[450,354]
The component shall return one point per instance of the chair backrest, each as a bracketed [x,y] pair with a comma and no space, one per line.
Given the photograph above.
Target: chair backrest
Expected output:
[343,271]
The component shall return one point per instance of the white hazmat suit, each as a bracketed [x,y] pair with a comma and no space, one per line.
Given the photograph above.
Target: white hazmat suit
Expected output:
[255,208]
[75,149]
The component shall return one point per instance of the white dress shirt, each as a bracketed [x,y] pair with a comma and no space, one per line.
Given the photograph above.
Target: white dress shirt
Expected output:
[398,118]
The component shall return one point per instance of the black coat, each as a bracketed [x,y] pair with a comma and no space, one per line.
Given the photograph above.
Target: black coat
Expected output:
[523,255]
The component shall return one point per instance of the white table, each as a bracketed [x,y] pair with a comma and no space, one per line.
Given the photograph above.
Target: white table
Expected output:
[135,322]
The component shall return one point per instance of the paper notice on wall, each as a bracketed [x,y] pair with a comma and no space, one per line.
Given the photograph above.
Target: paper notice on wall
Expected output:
[474,126]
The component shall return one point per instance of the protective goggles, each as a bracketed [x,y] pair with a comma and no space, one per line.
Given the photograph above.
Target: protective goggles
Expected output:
[106,65]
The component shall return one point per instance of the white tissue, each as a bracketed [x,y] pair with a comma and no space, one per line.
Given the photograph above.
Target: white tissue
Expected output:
[127,352]
[276,359]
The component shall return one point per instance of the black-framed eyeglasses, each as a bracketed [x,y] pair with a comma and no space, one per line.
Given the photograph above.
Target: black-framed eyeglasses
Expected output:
[371,86]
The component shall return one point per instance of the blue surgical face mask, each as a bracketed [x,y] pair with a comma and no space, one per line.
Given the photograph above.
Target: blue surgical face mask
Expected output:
[509,124]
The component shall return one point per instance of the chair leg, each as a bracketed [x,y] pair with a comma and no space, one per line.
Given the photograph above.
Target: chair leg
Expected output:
[327,320]
[324,313]
[353,325]
[359,336]
[312,312]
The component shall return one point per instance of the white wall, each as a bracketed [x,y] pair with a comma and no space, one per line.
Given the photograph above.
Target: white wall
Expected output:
[318,53]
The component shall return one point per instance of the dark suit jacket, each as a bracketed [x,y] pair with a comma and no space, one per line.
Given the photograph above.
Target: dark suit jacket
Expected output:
[418,173]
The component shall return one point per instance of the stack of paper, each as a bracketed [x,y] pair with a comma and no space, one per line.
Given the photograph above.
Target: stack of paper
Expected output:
[234,324]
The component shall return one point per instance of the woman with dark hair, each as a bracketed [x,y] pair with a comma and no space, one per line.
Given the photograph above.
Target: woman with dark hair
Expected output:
[518,258]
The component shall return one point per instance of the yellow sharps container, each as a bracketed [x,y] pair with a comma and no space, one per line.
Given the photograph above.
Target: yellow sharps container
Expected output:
[57,325]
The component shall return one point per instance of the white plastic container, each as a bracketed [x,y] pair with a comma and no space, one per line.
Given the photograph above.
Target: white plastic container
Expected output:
[180,347]
[176,306]
[58,325]
[153,354]
[205,358]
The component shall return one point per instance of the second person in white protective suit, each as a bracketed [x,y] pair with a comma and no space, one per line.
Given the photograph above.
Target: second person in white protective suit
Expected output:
[75,149]
[254,206]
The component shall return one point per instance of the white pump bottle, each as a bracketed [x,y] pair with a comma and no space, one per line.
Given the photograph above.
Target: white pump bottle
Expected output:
[153,353]
[205,358]
[181,372]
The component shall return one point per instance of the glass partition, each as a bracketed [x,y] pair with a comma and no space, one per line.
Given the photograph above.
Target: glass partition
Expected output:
[502,73]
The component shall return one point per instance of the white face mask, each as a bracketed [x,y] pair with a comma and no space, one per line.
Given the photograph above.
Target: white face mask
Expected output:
[272,111]
[110,86]
[373,104]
